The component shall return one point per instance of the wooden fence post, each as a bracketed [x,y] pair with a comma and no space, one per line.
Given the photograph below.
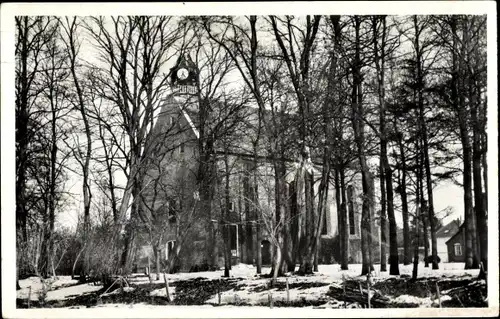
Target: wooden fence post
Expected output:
[287,291]
[166,287]
[218,292]
[438,294]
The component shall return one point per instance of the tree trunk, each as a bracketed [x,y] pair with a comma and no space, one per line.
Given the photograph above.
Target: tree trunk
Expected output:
[418,204]
[21,122]
[130,230]
[417,236]
[383,221]
[458,101]
[227,249]
[119,227]
[345,226]
[306,266]
[425,219]
[206,177]
[87,194]
[287,254]
[358,126]
[225,227]
[49,219]
[276,264]
[322,202]
[259,249]
[340,221]
[470,232]
[280,195]
[404,203]
[157,254]
[247,194]
[393,244]
[484,162]
[480,209]
[423,127]
[295,221]
[256,216]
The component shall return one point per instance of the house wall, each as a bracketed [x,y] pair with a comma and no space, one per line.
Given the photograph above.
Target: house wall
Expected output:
[442,248]
[457,239]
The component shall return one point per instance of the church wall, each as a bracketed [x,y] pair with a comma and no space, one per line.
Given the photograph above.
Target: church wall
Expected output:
[179,169]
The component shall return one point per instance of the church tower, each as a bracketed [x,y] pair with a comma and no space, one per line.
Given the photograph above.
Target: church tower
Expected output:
[184,76]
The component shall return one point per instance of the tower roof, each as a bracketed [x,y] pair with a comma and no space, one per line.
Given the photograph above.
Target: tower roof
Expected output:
[184,61]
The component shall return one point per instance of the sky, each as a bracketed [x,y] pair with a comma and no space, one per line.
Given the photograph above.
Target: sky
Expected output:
[444,197]
[446,194]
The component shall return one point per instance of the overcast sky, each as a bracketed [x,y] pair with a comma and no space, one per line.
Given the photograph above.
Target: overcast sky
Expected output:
[446,194]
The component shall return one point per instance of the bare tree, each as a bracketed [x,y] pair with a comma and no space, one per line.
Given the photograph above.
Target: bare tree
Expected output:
[386,170]
[420,47]
[241,45]
[70,39]
[133,51]
[358,126]
[32,36]
[298,63]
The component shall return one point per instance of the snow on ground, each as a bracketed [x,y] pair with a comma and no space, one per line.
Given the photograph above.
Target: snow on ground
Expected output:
[56,288]
[421,302]
[254,298]
[118,291]
[333,272]
[238,271]
[36,283]
[176,309]
[72,291]
[408,299]
[327,274]
[161,292]
[245,291]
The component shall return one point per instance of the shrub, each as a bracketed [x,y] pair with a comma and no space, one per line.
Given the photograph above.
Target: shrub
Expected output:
[429,259]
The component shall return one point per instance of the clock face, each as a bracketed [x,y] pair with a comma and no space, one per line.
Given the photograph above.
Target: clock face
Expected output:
[182,74]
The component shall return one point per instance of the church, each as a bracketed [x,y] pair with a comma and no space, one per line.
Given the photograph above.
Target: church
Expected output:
[214,151]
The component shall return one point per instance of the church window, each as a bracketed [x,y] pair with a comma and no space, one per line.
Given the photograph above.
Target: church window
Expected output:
[170,249]
[352,226]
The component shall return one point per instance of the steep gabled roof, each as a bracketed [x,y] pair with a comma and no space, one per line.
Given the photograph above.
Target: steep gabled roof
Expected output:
[448,230]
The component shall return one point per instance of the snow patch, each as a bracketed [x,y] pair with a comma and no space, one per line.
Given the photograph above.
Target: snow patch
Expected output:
[161,292]
[422,302]
[118,291]
[56,288]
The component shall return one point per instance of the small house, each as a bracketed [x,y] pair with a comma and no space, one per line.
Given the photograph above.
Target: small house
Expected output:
[444,234]
[456,246]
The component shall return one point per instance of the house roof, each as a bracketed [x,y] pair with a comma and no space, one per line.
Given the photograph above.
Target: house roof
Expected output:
[448,230]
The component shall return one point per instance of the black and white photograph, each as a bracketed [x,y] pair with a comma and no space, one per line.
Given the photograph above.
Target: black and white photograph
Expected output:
[249,159]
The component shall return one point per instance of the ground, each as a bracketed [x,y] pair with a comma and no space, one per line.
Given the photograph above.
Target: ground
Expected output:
[450,286]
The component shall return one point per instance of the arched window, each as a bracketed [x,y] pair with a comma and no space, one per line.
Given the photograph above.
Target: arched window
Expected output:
[170,246]
[352,225]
